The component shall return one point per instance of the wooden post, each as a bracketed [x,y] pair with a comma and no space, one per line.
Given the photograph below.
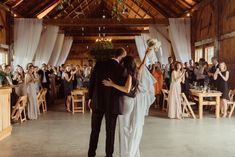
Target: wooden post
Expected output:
[217,27]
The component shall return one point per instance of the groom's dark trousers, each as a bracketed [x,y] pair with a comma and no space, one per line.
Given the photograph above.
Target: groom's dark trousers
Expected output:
[110,123]
[105,103]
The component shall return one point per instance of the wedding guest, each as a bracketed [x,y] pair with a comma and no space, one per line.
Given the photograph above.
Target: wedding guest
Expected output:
[185,83]
[19,75]
[158,75]
[79,77]
[37,80]
[174,101]
[222,76]
[168,72]
[31,93]
[68,77]
[200,75]
[215,65]
[44,75]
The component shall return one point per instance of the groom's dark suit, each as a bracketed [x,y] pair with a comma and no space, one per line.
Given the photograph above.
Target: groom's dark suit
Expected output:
[105,101]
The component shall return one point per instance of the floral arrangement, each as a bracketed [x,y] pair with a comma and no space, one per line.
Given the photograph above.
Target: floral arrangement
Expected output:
[153,44]
[102,44]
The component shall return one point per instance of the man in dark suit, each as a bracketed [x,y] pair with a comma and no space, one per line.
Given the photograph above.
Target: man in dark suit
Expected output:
[215,65]
[44,76]
[105,101]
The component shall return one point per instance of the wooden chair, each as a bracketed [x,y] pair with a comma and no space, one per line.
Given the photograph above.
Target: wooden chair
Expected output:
[39,100]
[18,112]
[44,102]
[187,109]
[78,101]
[231,102]
[165,99]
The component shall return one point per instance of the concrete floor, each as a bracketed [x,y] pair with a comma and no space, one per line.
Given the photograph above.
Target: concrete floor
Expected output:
[61,134]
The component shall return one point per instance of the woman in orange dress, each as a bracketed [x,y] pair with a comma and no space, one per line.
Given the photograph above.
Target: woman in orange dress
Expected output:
[157,74]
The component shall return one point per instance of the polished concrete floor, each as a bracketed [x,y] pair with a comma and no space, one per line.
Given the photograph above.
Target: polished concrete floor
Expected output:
[60,134]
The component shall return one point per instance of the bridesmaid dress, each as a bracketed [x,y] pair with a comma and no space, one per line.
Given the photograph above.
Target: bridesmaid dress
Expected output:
[174,101]
[32,96]
[134,111]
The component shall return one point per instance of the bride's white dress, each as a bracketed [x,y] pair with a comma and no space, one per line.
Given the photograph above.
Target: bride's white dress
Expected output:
[134,111]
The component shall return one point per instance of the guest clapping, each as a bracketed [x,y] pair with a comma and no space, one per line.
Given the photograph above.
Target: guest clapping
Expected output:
[222,76]
[68,77]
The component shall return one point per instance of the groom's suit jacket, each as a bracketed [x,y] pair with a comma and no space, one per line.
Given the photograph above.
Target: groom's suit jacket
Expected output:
[103,98]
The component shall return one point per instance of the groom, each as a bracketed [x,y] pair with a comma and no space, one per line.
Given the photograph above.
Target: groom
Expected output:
[105,101]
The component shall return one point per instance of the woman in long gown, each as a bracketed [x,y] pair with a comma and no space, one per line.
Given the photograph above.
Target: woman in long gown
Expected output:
[140,95]
[174,101]
[31,93]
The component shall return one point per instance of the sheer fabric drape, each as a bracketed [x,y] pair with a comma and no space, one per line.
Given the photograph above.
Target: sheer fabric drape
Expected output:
[162,35]
[179,30]
[46,45]
[65,50]
[27,34]
[141,45]
[56,50]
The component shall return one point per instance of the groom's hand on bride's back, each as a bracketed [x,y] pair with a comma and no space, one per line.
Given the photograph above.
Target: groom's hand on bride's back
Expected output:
[89,104]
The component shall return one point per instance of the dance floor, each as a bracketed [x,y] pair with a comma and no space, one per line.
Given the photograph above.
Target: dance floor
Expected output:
[60,134]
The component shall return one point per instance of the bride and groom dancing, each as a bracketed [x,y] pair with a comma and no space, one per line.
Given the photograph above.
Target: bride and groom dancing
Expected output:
[120,90]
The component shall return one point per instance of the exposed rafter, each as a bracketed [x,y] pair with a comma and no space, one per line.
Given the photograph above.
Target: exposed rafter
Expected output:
[106,22]
[8,9]
[48,9]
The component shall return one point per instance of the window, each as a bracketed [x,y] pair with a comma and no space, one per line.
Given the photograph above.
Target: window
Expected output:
[198,54]
[3,57]
[209,53]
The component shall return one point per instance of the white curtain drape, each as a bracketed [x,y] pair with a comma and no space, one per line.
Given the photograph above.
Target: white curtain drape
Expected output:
[68,41]
[46,45]
[179,30]
[162,35]
[27,34]
[141,45]
[56,50]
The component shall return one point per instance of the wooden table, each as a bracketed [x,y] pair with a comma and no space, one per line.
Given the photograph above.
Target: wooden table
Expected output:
[201,101]
[5,112]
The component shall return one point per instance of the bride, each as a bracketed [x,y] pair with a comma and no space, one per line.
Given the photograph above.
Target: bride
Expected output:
[139,89]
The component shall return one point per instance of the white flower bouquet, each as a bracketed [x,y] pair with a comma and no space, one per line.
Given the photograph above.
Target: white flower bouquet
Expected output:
[153,44]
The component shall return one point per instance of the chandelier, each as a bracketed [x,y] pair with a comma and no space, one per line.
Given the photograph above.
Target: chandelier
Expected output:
[100,39]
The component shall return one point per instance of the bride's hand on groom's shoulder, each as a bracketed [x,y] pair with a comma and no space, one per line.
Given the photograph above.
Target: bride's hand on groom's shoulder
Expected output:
[108,82]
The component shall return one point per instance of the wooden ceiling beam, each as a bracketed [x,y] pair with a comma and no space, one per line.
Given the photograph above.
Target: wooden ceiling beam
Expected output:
[106,22]
[18,3]
[88,2]
[166,7]
[162,11]
[196,7]
[107,32]
[185,3]
[8,9]
[131,8]
[48,9]
[112,37]
[146,11]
